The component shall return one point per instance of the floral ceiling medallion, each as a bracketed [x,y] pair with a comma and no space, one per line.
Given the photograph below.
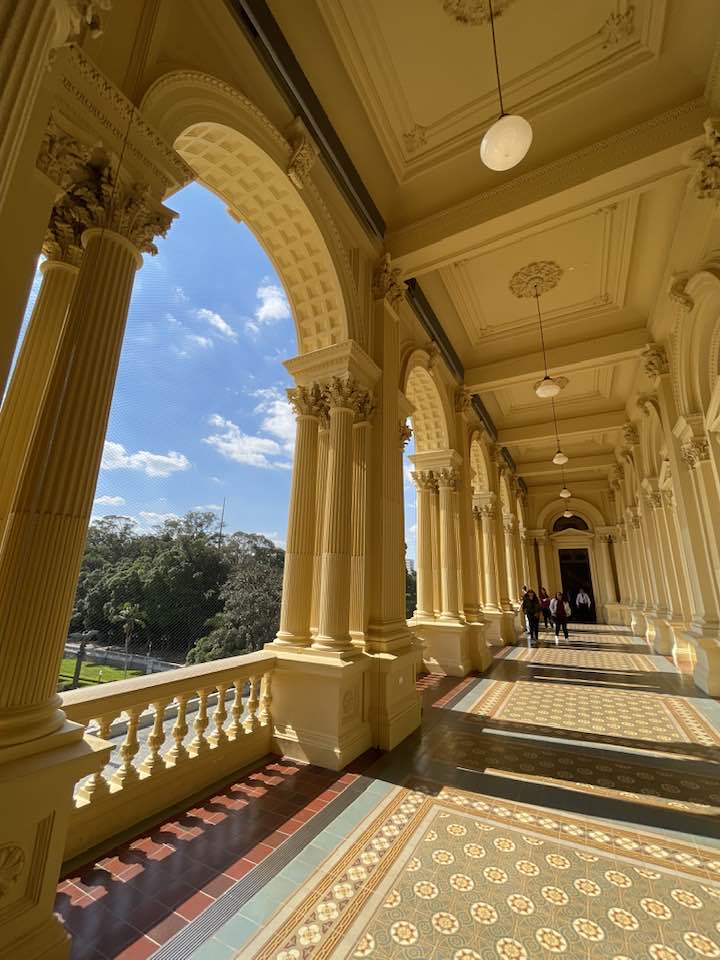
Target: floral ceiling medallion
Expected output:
[535,279]
[473,13]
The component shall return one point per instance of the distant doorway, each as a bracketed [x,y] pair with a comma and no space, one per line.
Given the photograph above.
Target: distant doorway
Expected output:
[575,576]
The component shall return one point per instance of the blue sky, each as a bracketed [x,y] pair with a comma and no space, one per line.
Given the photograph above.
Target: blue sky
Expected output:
[199,411]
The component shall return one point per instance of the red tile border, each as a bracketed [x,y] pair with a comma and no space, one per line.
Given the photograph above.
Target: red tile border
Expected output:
[140,950]
[194,906]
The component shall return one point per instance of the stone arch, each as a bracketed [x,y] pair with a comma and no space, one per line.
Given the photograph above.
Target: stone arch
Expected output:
[429,416]
[582,508]
[239,155]
[479,465]
[504,493]
[696,344]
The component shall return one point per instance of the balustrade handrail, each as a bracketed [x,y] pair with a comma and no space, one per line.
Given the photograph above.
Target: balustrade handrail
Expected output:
[87,703]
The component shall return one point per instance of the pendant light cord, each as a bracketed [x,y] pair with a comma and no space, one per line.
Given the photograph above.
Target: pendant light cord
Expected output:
[542,335]
[495,54]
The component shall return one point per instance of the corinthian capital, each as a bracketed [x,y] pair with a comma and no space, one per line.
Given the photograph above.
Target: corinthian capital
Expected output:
[630,434]
[447,478]
[100,200]
[386,282]
[61,158]
[655,361]
[488,511]
[694,451]
[424,480]
[707,159]
[63,235]
[346,393]
[83,14]
[306,401]
[304,155]
[404,434]
[463,399]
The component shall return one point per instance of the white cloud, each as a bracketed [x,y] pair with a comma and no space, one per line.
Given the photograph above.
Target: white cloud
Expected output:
[278,420]
[116,457]
[274,536]
[109,501]
[272,306]
[209,506]
[204,342]
[230,441]
[147,519]
[216,322]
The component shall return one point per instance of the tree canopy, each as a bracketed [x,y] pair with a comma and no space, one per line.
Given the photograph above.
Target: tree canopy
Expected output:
[193,593]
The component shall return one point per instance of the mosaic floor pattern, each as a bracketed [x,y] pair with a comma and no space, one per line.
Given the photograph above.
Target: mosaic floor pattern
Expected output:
[566,803]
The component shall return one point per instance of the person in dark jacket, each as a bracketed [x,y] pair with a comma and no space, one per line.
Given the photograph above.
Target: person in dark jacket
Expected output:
[531,609]
[545,605]
[560,610]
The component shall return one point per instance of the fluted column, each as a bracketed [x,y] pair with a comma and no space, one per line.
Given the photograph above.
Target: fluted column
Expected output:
[676,569]
[22,401]
[492,594]
[296,604]
[658,553]
[320,493]
[342,396]
[425,486]
[509,530]
[47,523]
[448,545]
[436,552]
[479,553]
[359,594]
[526,562]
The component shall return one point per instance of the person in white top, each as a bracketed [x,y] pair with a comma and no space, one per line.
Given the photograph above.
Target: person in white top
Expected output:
[583,604]
[560,611]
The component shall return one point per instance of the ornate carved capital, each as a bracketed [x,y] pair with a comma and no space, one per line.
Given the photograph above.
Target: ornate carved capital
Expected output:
[424,480]
[617,27]
[447,478]
[63,237]
[605,538]
[668,497]
[707,158]
[386,282]
[346,393]
[488,511]
[86,14]
[306,401]
[653,498]
[695,451]
[477,514]
[677,293]
[611,495]
[304,155]
[655,361]
[404,433]
[630,434]
[508,523]
[99,200]
[12,862]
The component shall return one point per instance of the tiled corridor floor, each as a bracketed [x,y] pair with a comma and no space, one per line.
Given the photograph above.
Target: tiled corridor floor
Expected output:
[565,804]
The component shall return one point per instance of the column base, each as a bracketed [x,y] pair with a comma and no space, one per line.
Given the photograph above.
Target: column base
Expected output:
[479,652]
[638,623]
[663,642]
[614,613]
[500,627]
[395,704]
[36,806]
[446,646]
[321,706]
[706,675]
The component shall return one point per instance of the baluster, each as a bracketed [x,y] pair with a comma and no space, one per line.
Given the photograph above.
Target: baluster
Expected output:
[199,743]
[154,762]
[237,710]
[266,699]
[252,705]
[97,786]
[127,773]
[218,737]
[178,753]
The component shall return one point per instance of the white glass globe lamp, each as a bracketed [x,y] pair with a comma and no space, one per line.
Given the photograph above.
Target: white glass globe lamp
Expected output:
[506,143]
[547,387]
[568,514]
[565,493]
[560,458]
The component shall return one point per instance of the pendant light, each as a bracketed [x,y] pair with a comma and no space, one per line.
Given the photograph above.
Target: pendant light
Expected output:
[508,140]
[568,513]
[565,493]
[548,387]
[560,458]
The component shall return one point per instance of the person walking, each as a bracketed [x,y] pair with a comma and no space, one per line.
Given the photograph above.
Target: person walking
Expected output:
[560,611]
[531,609]
[582,605]
[545,605]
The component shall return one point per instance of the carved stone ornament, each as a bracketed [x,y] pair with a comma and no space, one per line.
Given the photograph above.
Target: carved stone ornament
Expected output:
[707,158]
[618,27]
[63,235]
[387,283]
[508,523]
[611,495]
[695,451]
[306,401]
[655,361]
[346,393]
[535,279]
[305,153]
[668,497]
[424,480]
[630,434]
[61,158]
[12,861]
[474,13]
[433,355]
[97,201]
[653,498]
[415,139]
[447,478]
[488,511]
[678,294]
[87,13]
[404,433]
[463,399]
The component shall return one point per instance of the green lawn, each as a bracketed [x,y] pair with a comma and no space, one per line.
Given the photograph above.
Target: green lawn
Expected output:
[90,672]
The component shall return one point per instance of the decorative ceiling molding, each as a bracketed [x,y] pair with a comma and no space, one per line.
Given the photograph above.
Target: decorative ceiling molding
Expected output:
[474,13]
[357,32]
[535,278]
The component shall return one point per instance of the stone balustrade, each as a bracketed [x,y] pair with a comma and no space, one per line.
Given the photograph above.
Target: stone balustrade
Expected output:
[221,721]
